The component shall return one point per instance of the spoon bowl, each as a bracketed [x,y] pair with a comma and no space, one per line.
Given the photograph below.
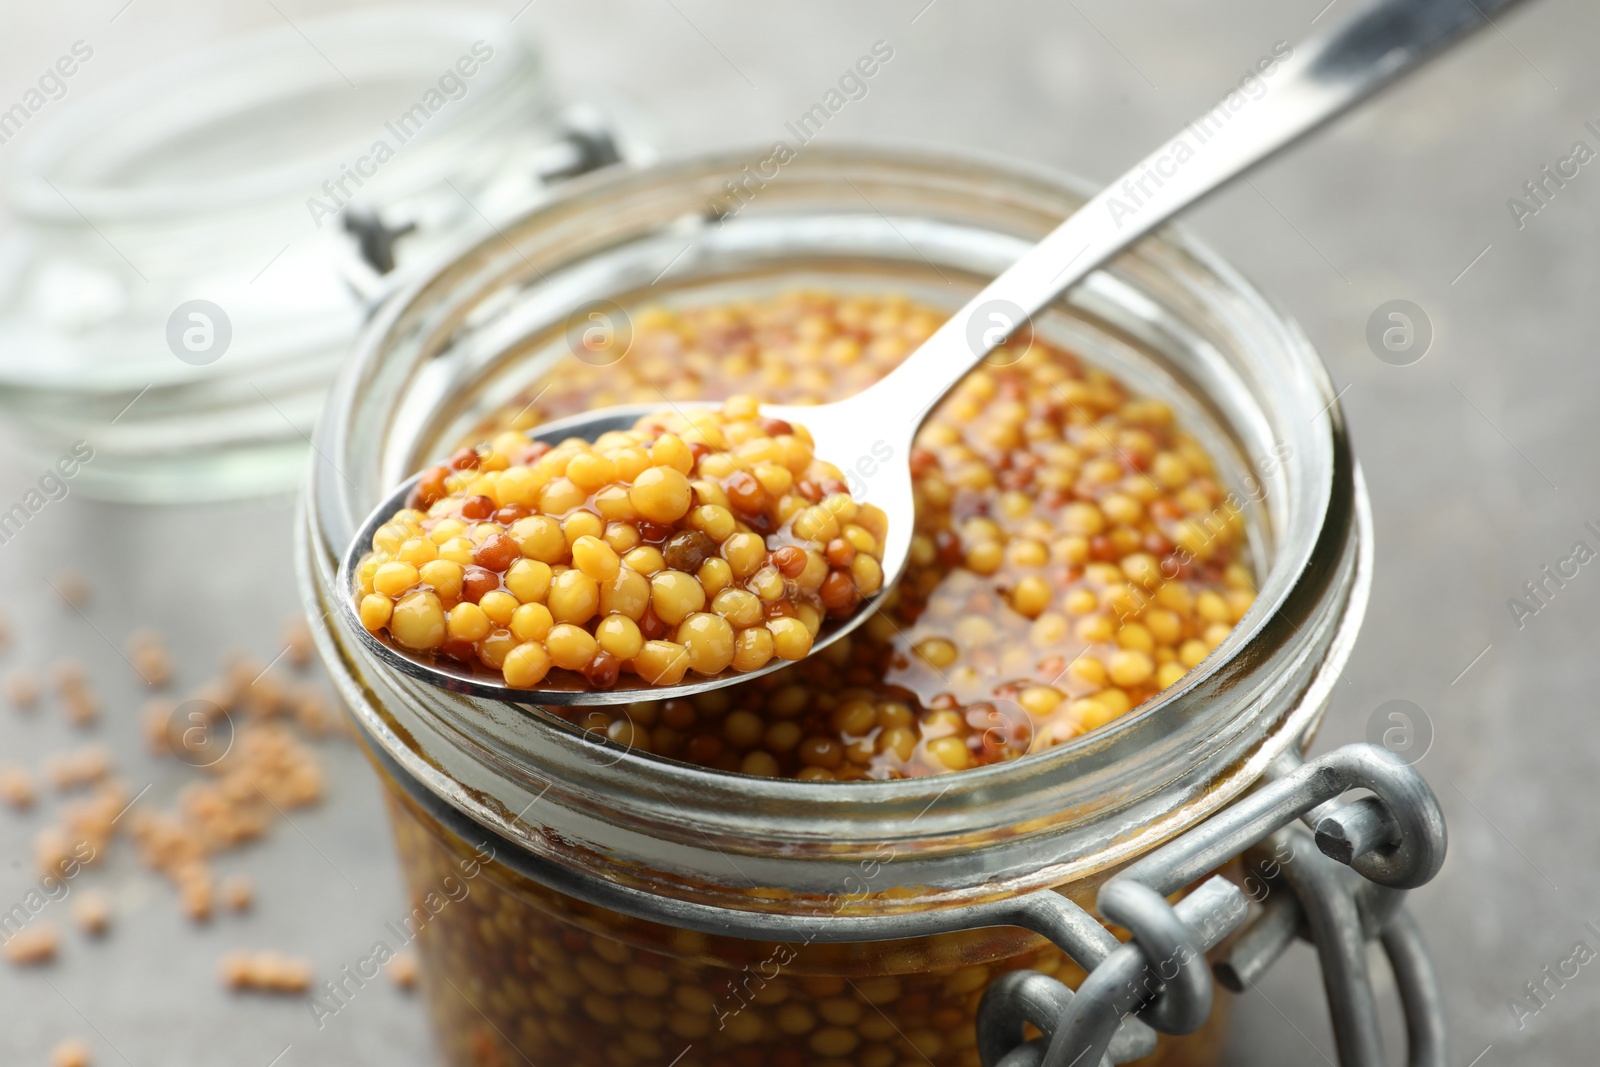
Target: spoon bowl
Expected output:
[838,442]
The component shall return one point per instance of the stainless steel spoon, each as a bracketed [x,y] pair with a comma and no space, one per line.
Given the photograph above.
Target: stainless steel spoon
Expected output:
[868,436]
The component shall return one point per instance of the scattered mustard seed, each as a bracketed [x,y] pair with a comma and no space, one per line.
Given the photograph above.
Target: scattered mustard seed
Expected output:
[33,945]
[150,658]
[79,702]
[156,723]
[80,767]
[403,970]
[196,891]
[91,910]
[265,972]
[16,786]
[73,1052]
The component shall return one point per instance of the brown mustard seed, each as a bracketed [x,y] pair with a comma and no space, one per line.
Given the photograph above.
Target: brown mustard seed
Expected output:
[73,1052]
[196,892]
[150,658]
[688,550]
[16,786]
[86,829]
[91,910]
[403,970]
[79,703]
[155,720]
[33,945]
[266,771]
[154,665]
[78,768]
[265,972]
[52,851]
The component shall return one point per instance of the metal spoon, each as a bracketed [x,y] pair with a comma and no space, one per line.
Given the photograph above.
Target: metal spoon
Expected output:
[1282,98]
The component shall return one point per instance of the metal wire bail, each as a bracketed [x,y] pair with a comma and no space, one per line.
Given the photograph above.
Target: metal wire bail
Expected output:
[1329,871]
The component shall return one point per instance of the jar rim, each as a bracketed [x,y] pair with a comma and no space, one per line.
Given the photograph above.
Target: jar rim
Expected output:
[1270,674]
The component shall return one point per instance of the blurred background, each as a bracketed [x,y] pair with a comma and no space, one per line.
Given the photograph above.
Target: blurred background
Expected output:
[1473,436]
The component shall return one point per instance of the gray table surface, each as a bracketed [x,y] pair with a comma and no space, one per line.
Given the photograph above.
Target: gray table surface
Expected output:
[1480,461]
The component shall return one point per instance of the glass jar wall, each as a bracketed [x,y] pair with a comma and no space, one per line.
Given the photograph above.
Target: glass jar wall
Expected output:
[646,837]
[515,969]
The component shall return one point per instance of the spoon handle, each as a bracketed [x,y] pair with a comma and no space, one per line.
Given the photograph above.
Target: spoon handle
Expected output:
[1288,94]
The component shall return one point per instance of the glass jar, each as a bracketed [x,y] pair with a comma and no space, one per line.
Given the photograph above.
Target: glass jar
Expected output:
[268,185]
[620,903]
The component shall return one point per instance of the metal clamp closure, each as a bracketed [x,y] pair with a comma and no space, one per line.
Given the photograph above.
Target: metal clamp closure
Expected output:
[1340,894]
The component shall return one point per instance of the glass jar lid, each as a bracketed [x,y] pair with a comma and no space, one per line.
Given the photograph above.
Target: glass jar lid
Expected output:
[198,244]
